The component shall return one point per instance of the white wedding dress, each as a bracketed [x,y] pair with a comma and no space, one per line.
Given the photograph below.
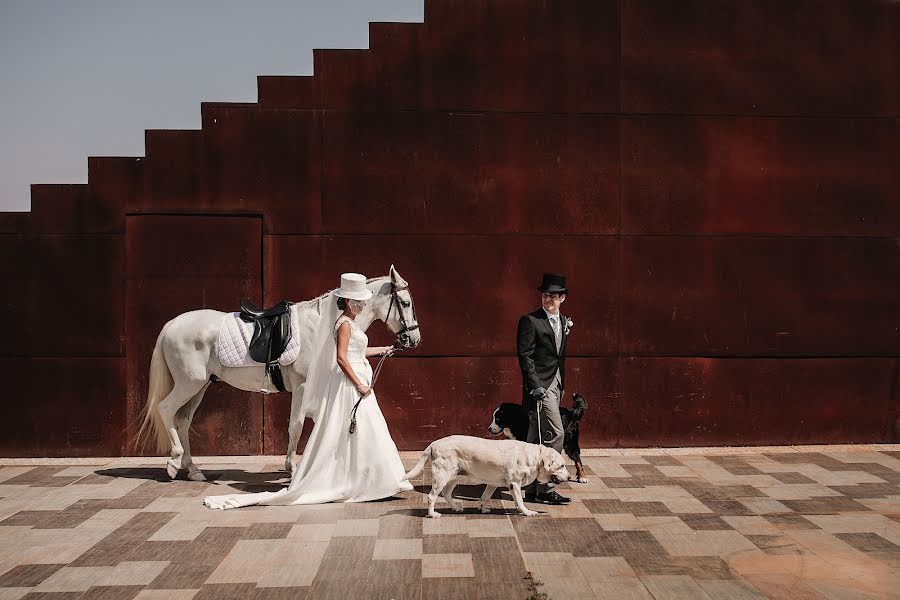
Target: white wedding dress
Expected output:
[337,466]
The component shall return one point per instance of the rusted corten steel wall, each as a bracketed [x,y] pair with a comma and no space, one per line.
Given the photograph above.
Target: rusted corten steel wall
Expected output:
[719,181]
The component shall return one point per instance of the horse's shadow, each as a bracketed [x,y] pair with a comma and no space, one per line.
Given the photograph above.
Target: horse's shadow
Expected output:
[237,479]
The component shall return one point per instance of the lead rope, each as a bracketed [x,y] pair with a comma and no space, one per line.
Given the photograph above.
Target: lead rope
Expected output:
[375,375]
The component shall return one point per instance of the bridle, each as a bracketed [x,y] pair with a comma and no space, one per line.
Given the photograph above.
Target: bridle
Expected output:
[401,343]
[405,328]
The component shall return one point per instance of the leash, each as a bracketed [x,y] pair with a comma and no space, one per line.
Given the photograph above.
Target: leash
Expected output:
[375,375]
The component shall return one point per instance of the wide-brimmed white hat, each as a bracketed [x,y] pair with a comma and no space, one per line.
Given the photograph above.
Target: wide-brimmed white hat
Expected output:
[353,287]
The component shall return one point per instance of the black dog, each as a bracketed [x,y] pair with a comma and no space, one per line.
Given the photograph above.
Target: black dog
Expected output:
[512,420]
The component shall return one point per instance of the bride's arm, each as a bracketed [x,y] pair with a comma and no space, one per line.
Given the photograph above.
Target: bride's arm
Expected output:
[343,342]
[378,350]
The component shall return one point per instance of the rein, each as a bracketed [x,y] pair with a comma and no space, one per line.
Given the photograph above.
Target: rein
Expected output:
[401,343]
[375,375]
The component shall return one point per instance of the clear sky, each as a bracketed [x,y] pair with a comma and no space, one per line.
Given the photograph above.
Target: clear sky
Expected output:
[83,78]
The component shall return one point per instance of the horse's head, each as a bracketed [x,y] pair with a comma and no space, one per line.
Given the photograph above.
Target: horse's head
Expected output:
[394,305]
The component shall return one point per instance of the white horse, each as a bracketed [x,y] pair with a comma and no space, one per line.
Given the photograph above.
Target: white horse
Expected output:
[185,359]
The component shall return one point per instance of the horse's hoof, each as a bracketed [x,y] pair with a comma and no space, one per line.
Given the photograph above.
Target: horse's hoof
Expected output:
[434,515]
[289,466]
[172,469]
[196,475]
[485,511]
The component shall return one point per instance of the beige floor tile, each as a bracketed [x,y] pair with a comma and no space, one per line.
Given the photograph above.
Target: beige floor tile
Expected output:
[180,528]
[644,451]
[573,510]
[848,590]
[166,594]
[134,573]
[246,562]
[798,491]
[723,589]
[686,505]
[444,525]
[620,589]
[677,471]
[664,524]
[752,525]
[705,543]
[356,528]
[489,527]
[674,587]
[619,522]
[73,579]
[570,588]
[604,568]
[652,493]
[764,506]
[7,473]
[296,564]
[397,549]
[843,557]
[312,532]
[53,554]
[854,523]
[447,565]
[593,452]
[544,565]
[605,467]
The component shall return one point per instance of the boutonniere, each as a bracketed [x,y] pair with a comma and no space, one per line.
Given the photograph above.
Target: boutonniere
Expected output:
[569,324]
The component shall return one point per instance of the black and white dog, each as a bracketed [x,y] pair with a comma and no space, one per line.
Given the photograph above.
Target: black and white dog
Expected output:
[512,420]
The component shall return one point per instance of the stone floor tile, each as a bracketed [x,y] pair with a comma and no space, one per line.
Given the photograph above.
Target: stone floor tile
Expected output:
[322,532]
[620,589]
[673,587]
[166,594]
[356,527]
[73,579]
[570,588]
[603,568]
[397,549]
[447,565]
[730,589]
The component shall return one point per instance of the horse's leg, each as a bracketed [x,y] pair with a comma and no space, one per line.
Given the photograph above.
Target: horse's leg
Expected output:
[295,426]
[168,408]
[183,419]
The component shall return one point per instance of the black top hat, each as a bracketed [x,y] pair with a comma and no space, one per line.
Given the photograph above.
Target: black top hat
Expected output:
[554,283]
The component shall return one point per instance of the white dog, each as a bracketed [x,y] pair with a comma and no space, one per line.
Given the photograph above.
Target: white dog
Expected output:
[507,463]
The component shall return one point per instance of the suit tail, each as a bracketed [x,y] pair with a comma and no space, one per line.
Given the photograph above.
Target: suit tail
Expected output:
[579,406]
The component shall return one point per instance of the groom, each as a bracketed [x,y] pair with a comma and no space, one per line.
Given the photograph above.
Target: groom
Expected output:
[541,341]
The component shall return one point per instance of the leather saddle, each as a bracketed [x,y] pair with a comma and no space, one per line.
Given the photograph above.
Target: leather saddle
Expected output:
[271,332]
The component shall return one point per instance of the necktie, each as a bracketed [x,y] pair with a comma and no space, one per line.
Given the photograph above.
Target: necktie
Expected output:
[554,322]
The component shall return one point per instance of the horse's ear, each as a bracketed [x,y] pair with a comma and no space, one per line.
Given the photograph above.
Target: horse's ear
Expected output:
[395,277]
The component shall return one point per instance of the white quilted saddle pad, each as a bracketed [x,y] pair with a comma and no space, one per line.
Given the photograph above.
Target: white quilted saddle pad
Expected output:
[234,342]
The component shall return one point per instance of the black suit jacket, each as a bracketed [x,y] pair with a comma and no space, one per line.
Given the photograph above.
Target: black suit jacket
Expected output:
[538,358]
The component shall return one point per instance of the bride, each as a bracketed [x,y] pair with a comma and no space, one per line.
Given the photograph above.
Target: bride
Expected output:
[337,466]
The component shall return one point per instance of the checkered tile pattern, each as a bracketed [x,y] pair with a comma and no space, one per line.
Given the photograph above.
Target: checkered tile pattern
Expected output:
[815,522]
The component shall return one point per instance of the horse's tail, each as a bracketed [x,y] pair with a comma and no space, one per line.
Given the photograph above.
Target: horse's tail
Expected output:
[161,383]
[419,465]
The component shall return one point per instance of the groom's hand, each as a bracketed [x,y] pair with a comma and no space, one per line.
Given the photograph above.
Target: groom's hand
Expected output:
[539,392]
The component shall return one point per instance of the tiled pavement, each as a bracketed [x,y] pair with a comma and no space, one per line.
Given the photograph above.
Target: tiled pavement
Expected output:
[733,523]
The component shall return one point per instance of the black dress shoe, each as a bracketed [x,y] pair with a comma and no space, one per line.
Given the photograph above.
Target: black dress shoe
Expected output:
[552,497]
